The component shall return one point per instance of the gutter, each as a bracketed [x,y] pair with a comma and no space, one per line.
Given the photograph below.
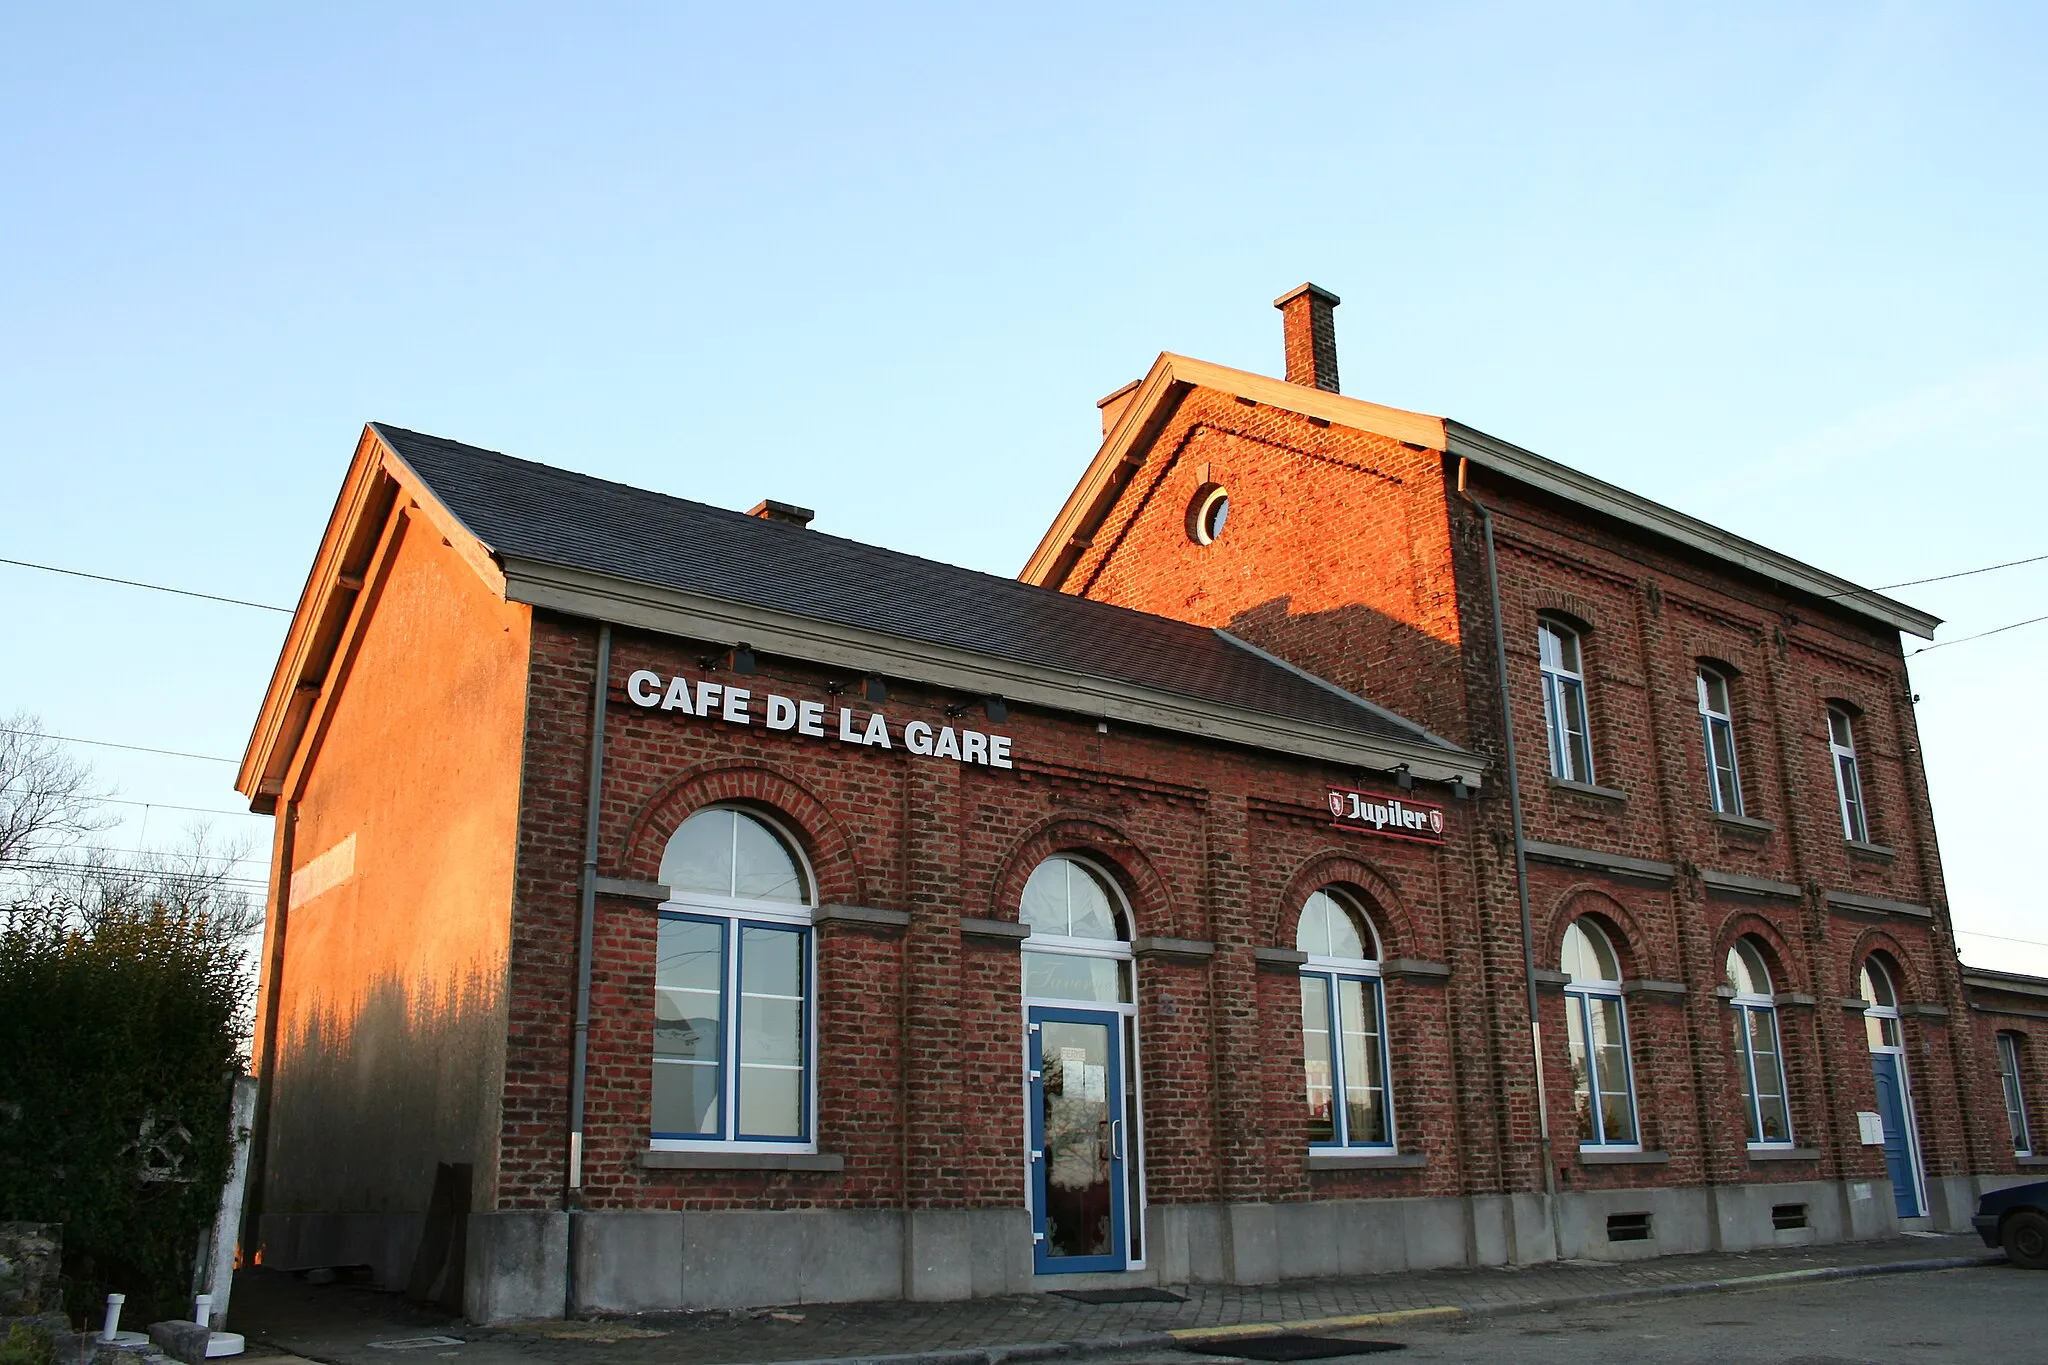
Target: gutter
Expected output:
[1507,716]
[579,1061]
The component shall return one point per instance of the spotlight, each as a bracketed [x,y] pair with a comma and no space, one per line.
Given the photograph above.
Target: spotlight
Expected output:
[1404,779]
[874,689]
[743,660]
[997,710]
[1459,791]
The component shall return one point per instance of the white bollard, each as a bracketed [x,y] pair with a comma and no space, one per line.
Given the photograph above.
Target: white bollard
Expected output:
[202,1311]
[113,1322]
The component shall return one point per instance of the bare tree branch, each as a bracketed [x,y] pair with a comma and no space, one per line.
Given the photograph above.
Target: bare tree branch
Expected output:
[48,799]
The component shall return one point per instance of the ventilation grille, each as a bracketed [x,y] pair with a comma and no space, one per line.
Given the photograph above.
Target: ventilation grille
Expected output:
[1628,1227]
[1786,1217]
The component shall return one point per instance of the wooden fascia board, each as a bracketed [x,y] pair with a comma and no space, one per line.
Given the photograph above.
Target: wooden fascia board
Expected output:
[297,656]
[375,574]
[1171,376]
[1583,490]
[695,616]
[311,642]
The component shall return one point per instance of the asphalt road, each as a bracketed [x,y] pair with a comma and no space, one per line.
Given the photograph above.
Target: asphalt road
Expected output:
[1992,1315]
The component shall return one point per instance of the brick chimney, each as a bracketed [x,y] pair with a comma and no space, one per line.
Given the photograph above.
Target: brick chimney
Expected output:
[1306,312]
[768,509]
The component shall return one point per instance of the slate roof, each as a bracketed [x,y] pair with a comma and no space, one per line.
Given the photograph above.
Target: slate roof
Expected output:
[524,510]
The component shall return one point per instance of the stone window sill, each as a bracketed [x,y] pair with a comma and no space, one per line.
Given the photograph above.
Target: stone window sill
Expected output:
[1875,852]
[1366,1161]
[1599,1158]
[825,1162]
[2031,1161]
[1784,1154]
[1742,824]
[1614,794]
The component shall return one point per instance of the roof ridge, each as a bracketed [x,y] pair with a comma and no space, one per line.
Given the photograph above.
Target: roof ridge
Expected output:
[1004,581]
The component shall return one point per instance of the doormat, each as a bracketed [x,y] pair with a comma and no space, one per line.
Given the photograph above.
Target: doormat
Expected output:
[1290,1346]
[1141,1294]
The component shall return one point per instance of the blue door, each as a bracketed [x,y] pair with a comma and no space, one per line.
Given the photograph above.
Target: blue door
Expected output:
[1898,1139]
[1079,1141]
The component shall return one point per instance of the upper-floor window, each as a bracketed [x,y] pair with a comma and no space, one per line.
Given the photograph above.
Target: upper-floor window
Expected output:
[1564,702]
[732,986]
[1848,778]
[1759,1059]
[1603,1088]
[2015,1095]
[1717,719]
[1343,1025]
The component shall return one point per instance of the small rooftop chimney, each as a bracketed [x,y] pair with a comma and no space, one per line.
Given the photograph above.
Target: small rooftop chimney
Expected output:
[1306,312]
[768,509]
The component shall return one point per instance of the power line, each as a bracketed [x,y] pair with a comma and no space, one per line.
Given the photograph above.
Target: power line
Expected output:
[109,744]
[1943,578]
[165,805]
[153,587]
[1960,639]
[1977,934]
[44,865]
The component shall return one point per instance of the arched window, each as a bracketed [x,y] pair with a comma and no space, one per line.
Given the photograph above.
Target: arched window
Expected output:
[1079,948]
[1564,701]
[1759,1060]
[1881,1019]
[1343,1025]
[1717,719]
[732,986]
[2009,1054]
[1848,777]
[1603,1087]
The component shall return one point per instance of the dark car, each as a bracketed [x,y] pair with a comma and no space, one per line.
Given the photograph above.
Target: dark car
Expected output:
[2016,1218]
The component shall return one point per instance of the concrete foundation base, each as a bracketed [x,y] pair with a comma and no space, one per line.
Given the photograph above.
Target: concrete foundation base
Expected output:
[541,1264]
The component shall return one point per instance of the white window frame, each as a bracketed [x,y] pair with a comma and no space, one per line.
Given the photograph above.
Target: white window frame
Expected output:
[735,913]
[1332,970]
[1848,777]
[1715,723]
[1559,683]
[1116,950]
[1745,1004]
[1579,998]
[2014,1086]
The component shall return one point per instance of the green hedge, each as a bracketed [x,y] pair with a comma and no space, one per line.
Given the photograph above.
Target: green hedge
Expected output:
[118,1044]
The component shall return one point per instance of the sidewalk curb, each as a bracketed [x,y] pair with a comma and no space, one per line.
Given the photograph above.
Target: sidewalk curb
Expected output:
[1020,1352]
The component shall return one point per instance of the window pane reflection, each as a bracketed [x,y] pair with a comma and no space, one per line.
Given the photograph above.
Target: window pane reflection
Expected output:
[1315,1048]
[1066,976]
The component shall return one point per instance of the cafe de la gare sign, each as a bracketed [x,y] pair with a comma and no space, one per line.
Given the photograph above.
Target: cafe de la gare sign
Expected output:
[793,715]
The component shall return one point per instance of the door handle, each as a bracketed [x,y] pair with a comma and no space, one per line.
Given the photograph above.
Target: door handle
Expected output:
[1116,1139]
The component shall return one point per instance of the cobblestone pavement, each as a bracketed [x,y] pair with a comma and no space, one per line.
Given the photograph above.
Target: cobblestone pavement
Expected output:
[337,1324]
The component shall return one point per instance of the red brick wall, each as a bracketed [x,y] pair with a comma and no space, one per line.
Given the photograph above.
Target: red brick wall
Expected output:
[1351,555]
[920,1064]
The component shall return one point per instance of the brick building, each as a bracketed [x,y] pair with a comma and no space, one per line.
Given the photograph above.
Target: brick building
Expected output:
[676,907]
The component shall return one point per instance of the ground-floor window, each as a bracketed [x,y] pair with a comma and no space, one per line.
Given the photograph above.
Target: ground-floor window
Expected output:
[2015,1094]
[1343,1025]
[1596,1025]
[733,986]
[1759,1057]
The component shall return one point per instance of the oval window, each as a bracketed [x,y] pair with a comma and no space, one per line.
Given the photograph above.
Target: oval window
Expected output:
[1208,513]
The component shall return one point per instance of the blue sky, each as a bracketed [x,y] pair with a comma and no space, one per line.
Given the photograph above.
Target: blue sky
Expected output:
[1783,271]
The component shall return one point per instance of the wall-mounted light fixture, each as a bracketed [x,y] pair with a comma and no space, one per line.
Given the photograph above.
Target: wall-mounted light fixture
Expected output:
[1459,791]
[743,660]
[874,689]
[1404,779]
[996,709]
